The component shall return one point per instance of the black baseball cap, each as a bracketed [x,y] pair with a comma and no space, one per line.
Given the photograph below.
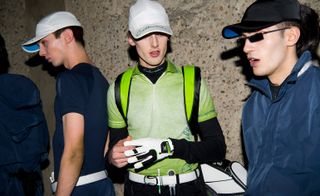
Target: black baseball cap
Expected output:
[262,14]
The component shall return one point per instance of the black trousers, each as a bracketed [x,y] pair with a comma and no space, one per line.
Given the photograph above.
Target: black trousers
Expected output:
[193,188]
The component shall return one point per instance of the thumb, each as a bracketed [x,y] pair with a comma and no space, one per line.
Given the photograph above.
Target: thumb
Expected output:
[128,138]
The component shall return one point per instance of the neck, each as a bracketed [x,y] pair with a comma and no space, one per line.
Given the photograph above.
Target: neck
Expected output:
[284,69]
[153,70]
[76,55]
[150,65]
[153,73]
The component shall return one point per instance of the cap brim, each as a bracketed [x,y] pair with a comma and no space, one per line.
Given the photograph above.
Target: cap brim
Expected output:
[31,48]
[149,30]
[236,30]
[32,45]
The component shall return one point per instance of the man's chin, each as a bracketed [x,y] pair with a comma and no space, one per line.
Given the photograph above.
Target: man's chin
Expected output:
[55,64]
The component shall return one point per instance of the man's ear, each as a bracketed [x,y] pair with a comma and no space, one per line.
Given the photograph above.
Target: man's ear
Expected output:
[131,40]
[292,35]
[67,35]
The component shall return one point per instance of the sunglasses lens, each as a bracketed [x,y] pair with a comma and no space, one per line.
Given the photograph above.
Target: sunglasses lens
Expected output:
[256,37]
[253,38]
[241,41]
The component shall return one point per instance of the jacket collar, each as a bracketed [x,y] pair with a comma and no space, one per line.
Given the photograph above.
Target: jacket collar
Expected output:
[171,68]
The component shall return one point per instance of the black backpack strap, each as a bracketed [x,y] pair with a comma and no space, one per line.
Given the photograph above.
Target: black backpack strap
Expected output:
[195,108]
[122,86]
[117,95]
[192,76]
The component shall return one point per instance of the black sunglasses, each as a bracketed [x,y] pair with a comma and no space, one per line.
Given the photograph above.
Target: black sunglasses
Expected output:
[257,37]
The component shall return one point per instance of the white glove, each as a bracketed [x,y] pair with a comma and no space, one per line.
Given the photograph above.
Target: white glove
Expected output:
[148,150]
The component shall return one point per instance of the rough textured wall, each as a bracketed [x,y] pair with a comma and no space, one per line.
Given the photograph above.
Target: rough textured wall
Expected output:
[197,40]
[12,28]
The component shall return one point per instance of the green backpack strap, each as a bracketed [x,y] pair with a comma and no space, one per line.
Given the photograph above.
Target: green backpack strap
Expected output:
[121,92]
[191,87]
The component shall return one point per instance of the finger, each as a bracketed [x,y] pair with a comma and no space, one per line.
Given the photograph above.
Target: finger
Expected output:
[138,157]
[142,163]
[128,138]
[119,149]
[138,142]
[120,142]
[146,160]
[115,157]
[132,143]
[136,151]
[120,163]
[118,154]
[151,155]
[149,160]
[129,153]
[132,159]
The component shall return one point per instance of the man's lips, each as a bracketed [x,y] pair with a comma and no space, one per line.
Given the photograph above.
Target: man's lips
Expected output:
[253,61]
[154,53]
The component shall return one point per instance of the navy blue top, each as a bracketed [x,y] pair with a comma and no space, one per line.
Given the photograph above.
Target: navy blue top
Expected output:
[282,136]
[82,90]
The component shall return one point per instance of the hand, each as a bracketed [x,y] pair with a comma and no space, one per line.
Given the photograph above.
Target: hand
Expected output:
[148,150]
[116,155]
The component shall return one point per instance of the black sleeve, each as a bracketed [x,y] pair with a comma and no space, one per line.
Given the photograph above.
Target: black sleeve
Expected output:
[211,148]
[116,135]
[117,175]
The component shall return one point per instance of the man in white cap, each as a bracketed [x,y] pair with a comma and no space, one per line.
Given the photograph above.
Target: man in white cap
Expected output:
[81,117]
[163,156]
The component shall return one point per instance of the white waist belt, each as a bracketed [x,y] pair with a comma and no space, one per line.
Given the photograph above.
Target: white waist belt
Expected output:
[164,180]
[82,180]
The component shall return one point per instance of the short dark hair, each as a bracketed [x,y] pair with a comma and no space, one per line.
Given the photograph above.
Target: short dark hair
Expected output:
[310,31]
[77,33]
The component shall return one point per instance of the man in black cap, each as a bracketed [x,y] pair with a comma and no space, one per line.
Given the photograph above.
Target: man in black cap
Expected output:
[281,118]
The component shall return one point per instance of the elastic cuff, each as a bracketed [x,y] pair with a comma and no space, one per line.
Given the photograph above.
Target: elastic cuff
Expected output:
[180,147]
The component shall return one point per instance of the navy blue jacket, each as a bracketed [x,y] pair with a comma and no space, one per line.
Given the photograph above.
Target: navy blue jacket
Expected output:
[282,136]
[24,137]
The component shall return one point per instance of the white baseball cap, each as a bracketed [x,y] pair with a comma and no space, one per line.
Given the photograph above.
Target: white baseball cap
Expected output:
[50,24]
[148,16]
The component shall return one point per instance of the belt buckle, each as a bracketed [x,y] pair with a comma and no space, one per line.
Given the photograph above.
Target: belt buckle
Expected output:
[52,180]
[147,178]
